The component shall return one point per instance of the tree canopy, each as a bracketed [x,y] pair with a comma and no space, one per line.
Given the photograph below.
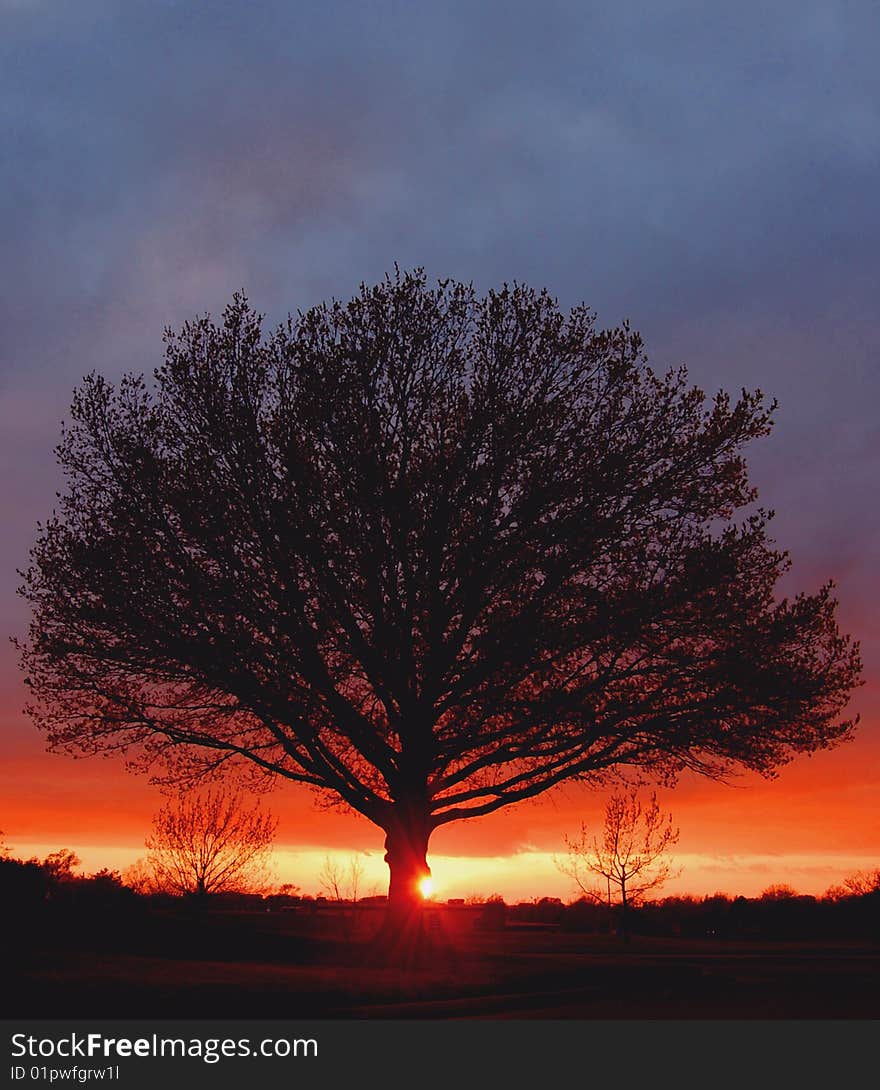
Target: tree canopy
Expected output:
[427,551]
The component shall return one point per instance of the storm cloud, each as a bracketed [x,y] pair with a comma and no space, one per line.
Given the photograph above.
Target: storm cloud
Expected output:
[709,173]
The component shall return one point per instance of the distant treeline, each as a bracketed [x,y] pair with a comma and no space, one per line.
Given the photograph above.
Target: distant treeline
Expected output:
[49,896]
[778,914]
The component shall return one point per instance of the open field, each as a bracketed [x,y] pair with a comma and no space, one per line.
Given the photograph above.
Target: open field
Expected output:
[261,966]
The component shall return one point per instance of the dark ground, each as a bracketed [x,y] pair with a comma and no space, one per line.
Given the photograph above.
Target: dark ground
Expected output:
[280,965]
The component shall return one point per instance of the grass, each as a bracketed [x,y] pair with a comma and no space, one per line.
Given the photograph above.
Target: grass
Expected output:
[255,965]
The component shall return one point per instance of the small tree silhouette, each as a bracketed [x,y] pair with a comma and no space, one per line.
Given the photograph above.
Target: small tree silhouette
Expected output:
[779,891]
[341,883]
[859,884]
[863,882]
[629,855]
[60,866]
[141,877]
[209,843]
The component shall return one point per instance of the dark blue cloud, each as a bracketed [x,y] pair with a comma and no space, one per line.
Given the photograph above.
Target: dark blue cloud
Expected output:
[709,173]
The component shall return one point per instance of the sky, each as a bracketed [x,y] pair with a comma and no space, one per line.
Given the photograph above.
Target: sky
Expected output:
[708,172]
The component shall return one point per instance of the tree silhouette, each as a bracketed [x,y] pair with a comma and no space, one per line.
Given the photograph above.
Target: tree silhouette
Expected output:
[209,843]
[341,883]
[61,865]
[860,884]
[428,552]
[779,891]
[863,882]
[141,878]
[628,858]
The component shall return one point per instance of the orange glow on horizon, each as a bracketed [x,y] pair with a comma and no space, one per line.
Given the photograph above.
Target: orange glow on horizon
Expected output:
[810,828]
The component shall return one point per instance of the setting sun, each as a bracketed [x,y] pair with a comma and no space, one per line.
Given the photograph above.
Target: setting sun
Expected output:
[426,887]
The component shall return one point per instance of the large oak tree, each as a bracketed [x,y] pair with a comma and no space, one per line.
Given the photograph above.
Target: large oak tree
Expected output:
[430,552]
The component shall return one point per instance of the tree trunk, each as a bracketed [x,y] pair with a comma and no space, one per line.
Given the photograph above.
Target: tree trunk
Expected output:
[624,917]
[406,855]
[402,939]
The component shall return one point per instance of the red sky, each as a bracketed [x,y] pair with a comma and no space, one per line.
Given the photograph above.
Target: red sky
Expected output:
[810,827]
